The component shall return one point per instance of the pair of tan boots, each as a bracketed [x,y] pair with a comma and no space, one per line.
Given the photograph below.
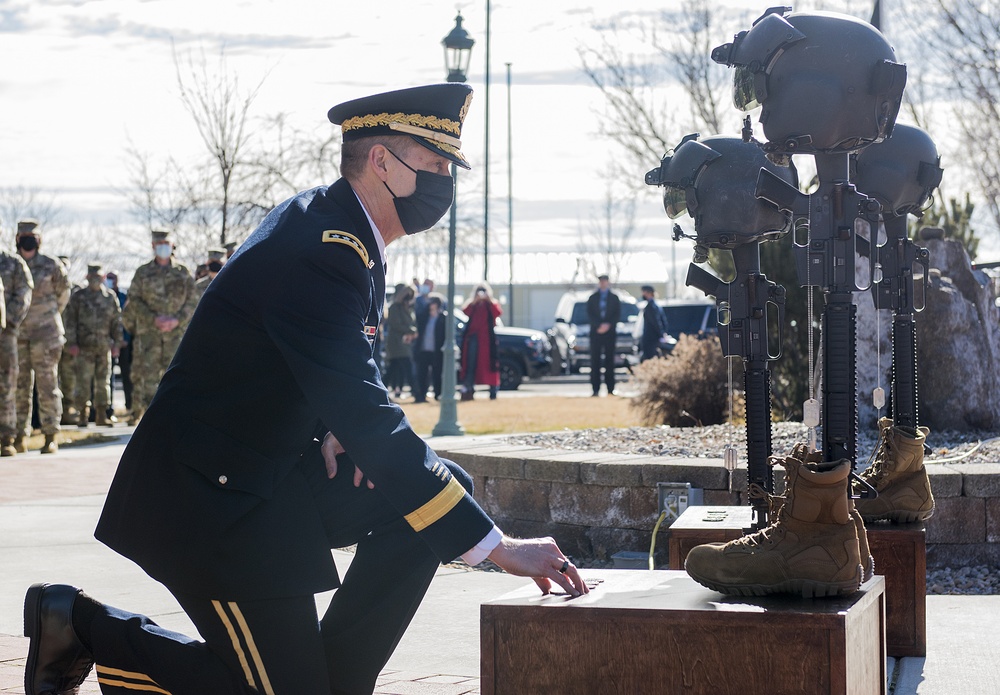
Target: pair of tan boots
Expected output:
[816,544]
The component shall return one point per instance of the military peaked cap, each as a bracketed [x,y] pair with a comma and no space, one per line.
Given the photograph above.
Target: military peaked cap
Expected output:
[432,115]
[216,254]
[160,235]
[95,269]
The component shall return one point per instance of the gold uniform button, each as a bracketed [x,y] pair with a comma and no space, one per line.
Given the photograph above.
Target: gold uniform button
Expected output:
[223,480]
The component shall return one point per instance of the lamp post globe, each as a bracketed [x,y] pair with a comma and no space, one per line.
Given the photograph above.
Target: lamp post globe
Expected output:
[457,52]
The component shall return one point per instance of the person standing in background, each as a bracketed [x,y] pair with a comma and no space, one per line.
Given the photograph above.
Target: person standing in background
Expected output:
[162,299]
[428,346]
[604,311]
[124,360]
[401,329]
[480,347]
[654,325]
[40,339]
[17,287]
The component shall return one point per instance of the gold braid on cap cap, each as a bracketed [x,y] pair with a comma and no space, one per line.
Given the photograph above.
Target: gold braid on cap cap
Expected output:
[388,119]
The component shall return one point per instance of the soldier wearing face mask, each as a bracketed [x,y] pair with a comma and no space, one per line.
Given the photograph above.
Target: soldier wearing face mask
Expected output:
[216,259]
[17,288]
[272,439]
[161,300]
[40,339]
[93,337]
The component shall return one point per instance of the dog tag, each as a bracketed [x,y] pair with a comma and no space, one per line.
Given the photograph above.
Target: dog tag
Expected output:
[810,413]
[878,398]
[729,458]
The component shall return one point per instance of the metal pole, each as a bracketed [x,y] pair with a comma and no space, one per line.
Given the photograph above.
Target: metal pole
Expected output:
[510,212]
[486,158]
[448,424]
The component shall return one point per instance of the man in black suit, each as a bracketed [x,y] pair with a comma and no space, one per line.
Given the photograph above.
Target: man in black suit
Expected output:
[272,439]
[654,324]
[604,311]
[427,350]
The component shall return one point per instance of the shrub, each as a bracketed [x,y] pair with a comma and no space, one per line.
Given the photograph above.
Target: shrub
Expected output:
[688,388]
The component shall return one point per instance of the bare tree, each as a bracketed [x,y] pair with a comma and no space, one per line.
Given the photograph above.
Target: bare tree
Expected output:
[220,109]
[27,202]
[608,236]
[969,43]
[640,87]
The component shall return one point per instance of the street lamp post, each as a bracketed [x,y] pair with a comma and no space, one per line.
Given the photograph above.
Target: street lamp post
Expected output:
[457,52]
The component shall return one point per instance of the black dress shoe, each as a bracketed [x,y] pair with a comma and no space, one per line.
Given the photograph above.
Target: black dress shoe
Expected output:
[57,660]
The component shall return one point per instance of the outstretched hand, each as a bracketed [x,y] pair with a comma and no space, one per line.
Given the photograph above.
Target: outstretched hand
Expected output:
[541,559]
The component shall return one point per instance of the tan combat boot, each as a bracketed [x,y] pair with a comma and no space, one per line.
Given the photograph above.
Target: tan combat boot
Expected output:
[7,447]
[810,548]
[19,445]
[50,446]
[84,419]
[801,451]
[102,419]
[899,475]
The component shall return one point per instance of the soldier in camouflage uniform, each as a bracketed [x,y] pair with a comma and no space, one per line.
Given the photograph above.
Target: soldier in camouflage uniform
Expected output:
[67,363]
[40,339]
[93,336]
[216,259]
[161,300]
[17,287]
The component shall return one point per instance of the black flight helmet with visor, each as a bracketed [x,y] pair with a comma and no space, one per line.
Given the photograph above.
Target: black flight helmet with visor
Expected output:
[825,82]
[714,181]
[900,172]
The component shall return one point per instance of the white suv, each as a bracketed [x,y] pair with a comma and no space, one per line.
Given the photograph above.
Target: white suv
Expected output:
[570,336]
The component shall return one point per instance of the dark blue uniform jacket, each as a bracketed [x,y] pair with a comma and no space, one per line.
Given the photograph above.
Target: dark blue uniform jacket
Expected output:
[209,496]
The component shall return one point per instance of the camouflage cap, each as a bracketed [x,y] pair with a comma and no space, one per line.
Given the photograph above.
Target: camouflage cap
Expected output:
[160,235]
[216,254]
[95,269]
[28,227]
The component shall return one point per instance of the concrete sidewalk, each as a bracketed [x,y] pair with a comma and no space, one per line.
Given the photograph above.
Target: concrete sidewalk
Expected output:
[49,506]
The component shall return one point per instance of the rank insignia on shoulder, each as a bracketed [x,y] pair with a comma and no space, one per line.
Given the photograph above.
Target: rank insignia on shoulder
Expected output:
[370,331]
[335,236]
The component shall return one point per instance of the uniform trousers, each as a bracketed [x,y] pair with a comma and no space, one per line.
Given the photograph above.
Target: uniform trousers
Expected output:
[602,354]
[38,367]
[428,367]
[151,355]
[279,646]
[8,383]
[93,365]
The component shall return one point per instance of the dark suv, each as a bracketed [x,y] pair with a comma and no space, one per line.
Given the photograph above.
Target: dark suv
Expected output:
[523,352]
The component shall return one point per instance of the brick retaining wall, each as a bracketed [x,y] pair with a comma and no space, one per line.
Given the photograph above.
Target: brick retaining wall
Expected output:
[597,504]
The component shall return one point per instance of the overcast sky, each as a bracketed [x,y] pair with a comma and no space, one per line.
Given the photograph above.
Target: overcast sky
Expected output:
[78,78]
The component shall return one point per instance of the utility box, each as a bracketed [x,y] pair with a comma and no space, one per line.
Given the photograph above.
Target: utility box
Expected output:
[674,498]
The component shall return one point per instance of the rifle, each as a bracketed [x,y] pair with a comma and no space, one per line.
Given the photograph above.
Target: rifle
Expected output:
[743,306]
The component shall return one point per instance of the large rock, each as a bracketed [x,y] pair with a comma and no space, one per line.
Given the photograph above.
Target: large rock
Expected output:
[958,344]
[958,347]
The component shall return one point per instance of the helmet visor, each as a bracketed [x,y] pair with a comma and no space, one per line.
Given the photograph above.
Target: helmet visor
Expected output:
[745,95]
[674,201]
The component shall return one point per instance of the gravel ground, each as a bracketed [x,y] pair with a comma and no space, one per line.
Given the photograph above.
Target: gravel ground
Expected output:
[710,442]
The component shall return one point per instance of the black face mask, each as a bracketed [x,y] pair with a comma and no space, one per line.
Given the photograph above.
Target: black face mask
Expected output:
[214,266]
[27,243]
[432,197]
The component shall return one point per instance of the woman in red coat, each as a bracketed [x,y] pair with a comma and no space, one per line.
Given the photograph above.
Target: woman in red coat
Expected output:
[480,349]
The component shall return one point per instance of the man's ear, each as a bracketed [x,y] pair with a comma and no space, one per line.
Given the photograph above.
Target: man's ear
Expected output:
[377,156]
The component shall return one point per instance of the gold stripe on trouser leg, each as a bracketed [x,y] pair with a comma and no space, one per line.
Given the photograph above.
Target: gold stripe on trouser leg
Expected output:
[252,646]
[146,683]
[237,647]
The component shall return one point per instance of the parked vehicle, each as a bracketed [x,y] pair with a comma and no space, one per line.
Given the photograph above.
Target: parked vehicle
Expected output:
[524,353]
[570,336]
[690,317]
